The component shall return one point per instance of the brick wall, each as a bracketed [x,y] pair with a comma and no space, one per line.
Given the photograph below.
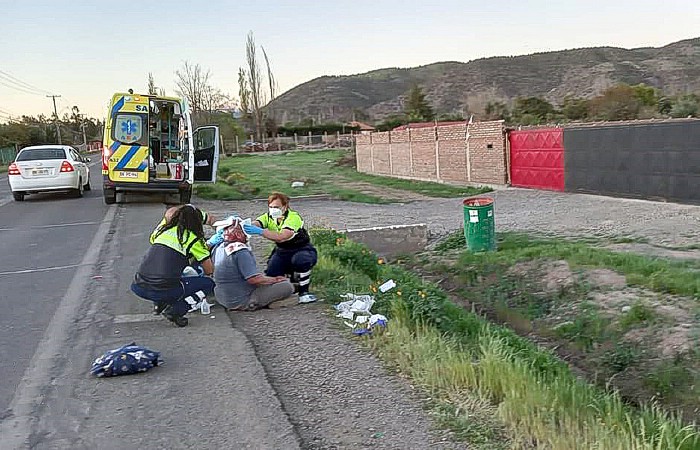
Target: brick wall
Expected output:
[363,152]
[401,153]
[381,143]
[454,153]
[487,149]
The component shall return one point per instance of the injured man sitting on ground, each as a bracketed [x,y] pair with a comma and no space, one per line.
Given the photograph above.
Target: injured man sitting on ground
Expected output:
[239,283]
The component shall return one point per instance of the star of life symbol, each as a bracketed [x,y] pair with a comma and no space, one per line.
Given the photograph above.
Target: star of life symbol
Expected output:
[129,127]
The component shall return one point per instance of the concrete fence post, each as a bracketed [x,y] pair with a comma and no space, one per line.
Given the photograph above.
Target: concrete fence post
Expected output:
[437,153]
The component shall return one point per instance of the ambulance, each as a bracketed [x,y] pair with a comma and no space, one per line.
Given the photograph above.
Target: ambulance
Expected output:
[149,147]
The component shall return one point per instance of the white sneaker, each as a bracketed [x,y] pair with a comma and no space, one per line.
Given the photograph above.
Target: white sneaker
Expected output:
[307,298]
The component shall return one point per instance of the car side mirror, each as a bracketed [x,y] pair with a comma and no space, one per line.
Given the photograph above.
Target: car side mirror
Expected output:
[87,159]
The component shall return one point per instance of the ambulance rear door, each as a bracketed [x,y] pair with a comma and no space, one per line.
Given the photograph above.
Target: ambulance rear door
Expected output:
[128,139]
[204,159]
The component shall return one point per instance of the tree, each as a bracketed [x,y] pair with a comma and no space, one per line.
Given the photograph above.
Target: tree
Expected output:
[574,108]
[270,76]
[391,122]
[616,103]
[496,111]
[243,92]
[686,106]
[417,108]
[193,83]
[152,89]
[646,95]
[532,110]
[257,96]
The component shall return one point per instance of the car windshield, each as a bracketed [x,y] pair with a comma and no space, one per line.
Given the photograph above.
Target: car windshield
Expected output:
[33,154]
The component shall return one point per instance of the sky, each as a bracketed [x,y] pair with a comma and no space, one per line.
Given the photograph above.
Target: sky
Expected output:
[85,51]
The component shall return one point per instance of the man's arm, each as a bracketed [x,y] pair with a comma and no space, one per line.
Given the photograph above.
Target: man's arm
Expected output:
[208,267]
[260,279]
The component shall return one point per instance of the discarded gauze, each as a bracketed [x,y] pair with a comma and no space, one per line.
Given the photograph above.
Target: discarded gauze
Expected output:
[125,360]
[358,308]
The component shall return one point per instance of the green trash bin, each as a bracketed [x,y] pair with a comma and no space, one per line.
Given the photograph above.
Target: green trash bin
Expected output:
[479,224]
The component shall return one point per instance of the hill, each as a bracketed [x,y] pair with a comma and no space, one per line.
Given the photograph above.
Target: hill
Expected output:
[456,87]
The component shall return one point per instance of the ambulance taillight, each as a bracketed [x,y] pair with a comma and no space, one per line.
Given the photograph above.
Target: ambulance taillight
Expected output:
[106,153]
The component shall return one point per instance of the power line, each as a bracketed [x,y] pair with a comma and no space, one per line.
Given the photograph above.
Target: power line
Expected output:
[21,83]
[17,88]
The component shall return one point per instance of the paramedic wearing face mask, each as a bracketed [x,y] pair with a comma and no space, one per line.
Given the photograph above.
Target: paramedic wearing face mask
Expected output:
[293,255]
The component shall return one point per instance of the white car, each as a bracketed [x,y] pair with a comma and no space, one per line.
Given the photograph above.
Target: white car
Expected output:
[45,168]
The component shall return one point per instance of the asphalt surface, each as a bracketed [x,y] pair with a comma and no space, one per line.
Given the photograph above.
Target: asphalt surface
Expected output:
[64,288]
[42,242]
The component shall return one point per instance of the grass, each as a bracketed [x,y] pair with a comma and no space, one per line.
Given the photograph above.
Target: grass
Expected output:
[3,168]
[656,274]
[587,329]
[612,343]
[250,176]
[492,388]
[638,314]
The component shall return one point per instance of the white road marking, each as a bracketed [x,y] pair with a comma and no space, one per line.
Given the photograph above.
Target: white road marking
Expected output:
[16,430]
[42,269]
[134,318]
[57,225]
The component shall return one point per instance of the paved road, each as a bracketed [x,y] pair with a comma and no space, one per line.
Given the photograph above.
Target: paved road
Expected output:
[42,242]
[71,302]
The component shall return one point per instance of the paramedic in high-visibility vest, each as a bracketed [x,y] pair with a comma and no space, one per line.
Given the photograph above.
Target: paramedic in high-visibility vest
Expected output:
[294,255]
[176,242]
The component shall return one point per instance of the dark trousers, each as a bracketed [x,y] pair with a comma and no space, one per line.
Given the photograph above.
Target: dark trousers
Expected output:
[177,297]
[296,262]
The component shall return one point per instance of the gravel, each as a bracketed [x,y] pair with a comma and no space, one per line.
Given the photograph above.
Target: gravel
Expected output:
[563,214]
[337,394]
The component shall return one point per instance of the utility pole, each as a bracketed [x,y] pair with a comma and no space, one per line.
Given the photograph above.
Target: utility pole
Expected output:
[55,113]
[82,126]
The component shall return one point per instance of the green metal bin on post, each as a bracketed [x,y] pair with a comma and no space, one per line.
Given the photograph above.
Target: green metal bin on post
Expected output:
[479,224]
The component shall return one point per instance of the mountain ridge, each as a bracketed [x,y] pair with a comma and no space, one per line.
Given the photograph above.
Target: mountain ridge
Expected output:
[461,87]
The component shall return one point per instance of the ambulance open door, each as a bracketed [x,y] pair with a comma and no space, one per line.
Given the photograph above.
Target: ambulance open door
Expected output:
[205,157]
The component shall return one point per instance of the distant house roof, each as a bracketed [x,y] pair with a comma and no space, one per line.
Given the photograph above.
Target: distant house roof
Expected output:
[361,126]
[427,125]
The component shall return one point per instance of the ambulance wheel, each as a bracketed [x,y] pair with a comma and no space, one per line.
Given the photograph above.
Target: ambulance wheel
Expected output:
[110,196]
[185,196]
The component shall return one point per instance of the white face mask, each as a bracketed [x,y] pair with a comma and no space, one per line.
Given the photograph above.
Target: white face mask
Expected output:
[275,213]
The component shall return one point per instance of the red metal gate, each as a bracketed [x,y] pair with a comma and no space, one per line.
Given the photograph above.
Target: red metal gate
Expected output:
[537,158]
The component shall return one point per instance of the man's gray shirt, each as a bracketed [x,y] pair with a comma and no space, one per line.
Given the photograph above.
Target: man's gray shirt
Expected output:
[230,274]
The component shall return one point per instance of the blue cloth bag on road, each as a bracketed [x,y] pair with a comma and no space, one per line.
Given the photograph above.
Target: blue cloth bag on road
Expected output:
[125,360]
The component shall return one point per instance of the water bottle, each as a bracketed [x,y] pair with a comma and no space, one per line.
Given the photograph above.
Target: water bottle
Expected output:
[205,307]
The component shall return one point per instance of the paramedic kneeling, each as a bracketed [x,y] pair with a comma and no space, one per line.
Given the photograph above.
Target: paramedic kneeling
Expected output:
[294,254]
[178,238]
[239,284]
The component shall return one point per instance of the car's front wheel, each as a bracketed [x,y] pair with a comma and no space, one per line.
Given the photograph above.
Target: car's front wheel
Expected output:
[18,196]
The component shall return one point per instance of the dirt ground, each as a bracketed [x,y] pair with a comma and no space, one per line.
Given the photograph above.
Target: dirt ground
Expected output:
[339,396]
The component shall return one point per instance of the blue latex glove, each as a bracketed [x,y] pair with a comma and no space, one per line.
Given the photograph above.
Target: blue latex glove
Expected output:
[216,239]
[252,230]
